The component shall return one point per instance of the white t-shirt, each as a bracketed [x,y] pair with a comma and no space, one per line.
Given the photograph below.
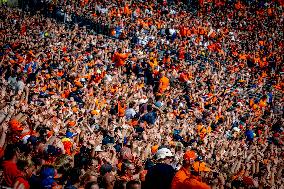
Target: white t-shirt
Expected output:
[20,85]
[130,113]
[172,31]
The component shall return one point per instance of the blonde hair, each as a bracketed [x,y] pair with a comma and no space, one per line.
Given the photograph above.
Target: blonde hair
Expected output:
[61,161]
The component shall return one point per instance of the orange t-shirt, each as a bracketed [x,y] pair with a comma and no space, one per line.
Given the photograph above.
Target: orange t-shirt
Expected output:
[120,58]
[121,110]
[243,57]
[194,183]
[164,83]
[179,178]
[126,10]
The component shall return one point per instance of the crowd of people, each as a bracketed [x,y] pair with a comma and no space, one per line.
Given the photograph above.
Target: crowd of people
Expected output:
[169,99]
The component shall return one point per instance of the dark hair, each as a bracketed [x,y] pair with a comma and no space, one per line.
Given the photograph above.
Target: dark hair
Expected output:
[53,151]
[64,170]
[131,104]
[149,108]
[10,151]
[125,166]
[119,184]
[131,183]
[23,163]
[74,175]
[83,159]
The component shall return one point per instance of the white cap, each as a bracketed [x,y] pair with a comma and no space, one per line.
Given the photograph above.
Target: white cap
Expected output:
[98,148]
[164,153]
[142,101]
[236,129]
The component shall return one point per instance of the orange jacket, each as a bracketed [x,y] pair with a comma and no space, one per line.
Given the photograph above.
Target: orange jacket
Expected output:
[179,178]
[194,183]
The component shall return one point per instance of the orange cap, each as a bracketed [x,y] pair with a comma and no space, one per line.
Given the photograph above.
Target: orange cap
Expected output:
[154,149]
[189,155]
[15,125]
[75,109]
[71,123]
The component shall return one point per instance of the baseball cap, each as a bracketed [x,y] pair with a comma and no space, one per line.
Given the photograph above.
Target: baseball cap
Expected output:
[158,104]
[69,134]
[163,153]
[98,148]
[189,155]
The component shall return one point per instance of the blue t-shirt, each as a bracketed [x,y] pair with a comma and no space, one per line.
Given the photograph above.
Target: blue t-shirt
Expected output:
[150,117]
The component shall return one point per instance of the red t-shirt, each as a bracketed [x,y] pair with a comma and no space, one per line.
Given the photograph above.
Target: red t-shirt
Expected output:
[1,152]
[12,174]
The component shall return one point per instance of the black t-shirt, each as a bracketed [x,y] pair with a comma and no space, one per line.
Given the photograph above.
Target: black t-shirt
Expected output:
[159,176]
[34,182]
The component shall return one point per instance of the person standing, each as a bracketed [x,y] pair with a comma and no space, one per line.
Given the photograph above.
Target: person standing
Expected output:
[160,176]
[184,179]
[12,175]
[184,172]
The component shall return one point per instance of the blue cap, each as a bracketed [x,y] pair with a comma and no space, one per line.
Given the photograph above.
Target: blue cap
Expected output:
[69,134]
[107,140]
[47,172]
[176,131]
[158,104]
[177,137]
